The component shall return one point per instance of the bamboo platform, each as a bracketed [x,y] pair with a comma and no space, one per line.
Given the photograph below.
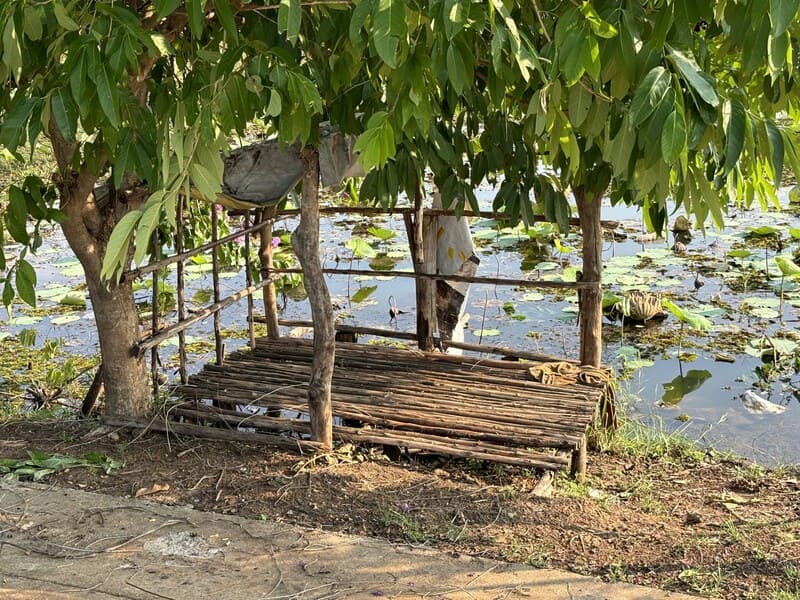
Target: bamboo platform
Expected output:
[450,405]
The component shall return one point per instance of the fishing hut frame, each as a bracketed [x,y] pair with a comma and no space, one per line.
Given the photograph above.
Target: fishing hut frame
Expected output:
[567,442]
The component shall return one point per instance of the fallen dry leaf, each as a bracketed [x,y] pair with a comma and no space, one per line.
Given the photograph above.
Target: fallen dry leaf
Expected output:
[153,489]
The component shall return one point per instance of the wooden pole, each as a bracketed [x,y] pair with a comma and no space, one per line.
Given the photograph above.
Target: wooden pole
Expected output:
[591,298]
[248,277]
[219,350]
[265,253]
[154,321]
[181,293]
[424,287]
[305,241]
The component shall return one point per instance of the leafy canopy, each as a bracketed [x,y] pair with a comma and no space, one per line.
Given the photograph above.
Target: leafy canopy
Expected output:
[646,100]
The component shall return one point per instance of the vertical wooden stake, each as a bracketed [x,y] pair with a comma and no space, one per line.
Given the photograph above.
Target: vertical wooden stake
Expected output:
[215,282]
[154,320]
[426,315]
[305,241]
[591,299]
[248,277]
[265,258]
[181,292]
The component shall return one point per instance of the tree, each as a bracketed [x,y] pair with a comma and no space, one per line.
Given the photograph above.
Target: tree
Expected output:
[139,96]
[644,102]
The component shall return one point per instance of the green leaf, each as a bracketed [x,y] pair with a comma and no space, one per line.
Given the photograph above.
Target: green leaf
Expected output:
[363,293]
[781,15]
[205,181]
[788,267]
[360,248]
[118,244]
[649,95]
[376,145]
[275,102]
[382,234]
[580,101]
[25,281]
[151,215]
[65,113]
[457,71]
[486,332]
[106,94]
[599,27]
[63,19]
[8,294]
[197,17]
[289,16]
[455,16]
[358,19]
[673,136]
[15,121]
[696,79]
[73,299]
[225,16]
[12,50]
[733,118]
[571,56]
[693,320]
[776,146]
[388,28]
[16,216]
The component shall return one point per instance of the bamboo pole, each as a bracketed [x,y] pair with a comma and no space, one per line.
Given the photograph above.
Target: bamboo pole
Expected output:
[168,332]
[164,262]
[535,283]
[369,210]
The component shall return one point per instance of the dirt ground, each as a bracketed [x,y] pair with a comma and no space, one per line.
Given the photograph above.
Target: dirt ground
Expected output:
[688,522]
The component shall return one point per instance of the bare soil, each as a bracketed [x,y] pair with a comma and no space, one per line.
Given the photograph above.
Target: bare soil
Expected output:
[696,523]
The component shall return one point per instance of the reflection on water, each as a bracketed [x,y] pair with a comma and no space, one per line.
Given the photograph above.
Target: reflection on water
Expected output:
[735,297]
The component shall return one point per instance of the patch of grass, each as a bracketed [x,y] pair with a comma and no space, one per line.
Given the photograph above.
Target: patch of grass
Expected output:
[567,487]
[792,574]
[636,438]
[703,582]
[410,527]
[533,554]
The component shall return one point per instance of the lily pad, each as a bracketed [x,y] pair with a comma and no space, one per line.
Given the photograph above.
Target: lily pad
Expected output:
[485,332]
[363,293]
[64,319]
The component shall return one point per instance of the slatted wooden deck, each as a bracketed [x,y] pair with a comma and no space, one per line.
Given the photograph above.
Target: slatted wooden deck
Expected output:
[451,405]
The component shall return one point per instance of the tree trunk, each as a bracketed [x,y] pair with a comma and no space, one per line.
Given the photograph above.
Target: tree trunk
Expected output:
[591,299]
[89,223]
[305,241]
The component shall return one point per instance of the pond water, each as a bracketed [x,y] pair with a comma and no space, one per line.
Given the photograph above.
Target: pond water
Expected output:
[672,376]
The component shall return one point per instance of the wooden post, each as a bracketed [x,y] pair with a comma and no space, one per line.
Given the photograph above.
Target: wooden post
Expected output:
[265,258]
[215,281]
[181,292]
[248,277]
[154,321]
[305,241]
[421,247]
[591,298]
